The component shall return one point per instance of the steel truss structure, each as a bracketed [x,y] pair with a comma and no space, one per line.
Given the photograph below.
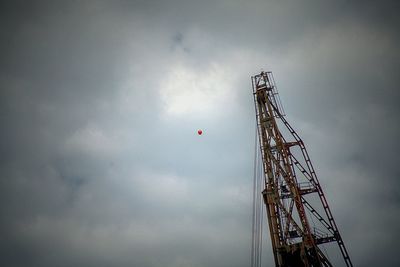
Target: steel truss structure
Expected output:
[291,191]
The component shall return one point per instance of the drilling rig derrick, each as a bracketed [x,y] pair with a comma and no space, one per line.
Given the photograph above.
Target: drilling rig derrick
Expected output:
[298,228]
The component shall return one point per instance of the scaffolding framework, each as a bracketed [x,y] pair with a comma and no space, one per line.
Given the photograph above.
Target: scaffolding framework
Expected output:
[290,189]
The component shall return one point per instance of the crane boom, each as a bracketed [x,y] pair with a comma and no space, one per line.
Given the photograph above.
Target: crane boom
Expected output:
[299,218]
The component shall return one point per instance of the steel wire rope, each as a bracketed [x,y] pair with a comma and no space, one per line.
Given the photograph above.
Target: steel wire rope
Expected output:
[254,245]
[257,221]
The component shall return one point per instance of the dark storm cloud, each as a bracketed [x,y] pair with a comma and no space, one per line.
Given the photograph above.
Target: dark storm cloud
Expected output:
[100,103]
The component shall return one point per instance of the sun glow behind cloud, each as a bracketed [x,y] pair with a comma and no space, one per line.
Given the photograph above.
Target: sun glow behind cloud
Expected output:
[187,91]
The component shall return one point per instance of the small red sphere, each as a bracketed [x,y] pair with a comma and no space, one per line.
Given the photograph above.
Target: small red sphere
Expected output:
[200,132]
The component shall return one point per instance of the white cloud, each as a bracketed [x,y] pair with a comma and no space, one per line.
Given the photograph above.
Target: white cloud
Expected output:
[168,187]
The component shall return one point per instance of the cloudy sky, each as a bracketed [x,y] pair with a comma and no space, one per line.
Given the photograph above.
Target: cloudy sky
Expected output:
[100,102]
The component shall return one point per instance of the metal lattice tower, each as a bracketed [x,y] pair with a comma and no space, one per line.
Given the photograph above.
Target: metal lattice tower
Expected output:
[299,218]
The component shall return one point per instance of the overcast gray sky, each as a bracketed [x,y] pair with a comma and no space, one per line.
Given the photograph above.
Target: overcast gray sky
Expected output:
[100,102]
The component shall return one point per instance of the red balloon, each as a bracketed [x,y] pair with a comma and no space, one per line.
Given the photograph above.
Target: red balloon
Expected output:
[200,132]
